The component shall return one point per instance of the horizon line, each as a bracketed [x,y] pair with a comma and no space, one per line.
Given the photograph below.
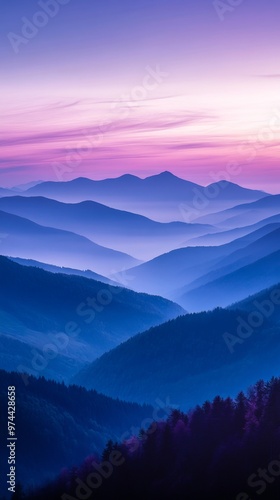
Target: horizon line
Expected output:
[128,174]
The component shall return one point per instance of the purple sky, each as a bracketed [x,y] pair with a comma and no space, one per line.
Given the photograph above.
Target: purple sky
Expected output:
[114,87]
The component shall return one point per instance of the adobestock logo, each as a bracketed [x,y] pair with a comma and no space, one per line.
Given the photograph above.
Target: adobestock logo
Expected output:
[223,8]
[31,27]
[102,471]
[203,197]
[59,341]
[262,479]
[85,489]
[256,318]
[123,109]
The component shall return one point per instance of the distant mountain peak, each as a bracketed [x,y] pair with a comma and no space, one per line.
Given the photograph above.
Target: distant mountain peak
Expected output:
[166,174]
[128,176]
[224,183]
[27,185]
[80,179]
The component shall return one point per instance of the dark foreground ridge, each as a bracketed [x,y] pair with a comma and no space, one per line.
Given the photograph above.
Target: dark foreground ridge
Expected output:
[224,450]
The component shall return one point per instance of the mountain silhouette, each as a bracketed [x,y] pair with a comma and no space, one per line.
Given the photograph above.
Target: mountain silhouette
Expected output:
[64,270]
[123,231]
[163,197]
[81,317]
[170,272]
[25,239]
[223,237]
[188,358]
[66,433]
[234,286]
[244,214]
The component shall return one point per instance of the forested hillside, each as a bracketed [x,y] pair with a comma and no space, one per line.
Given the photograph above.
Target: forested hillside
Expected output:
[224,450]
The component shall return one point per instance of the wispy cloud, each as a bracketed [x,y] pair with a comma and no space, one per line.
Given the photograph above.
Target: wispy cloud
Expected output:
[194,145]
[116,127]
[272,75]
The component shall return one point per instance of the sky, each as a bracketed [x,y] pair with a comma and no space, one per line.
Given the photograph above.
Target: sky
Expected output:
[99,89]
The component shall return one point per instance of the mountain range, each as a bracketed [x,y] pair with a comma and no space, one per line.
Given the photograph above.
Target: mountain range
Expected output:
[65,270]
[163,197]
[185,269]
[223,237]
[67,320]
[242,273]
[193,357]
[145,290]
[243,214]
[23,238]
[123,231]
[74,423]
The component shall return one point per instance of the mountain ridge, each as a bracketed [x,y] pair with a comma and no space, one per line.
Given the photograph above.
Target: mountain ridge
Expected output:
[188,359]
[162,197]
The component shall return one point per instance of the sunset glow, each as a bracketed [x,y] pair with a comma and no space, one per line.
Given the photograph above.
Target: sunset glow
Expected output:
[134,107]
